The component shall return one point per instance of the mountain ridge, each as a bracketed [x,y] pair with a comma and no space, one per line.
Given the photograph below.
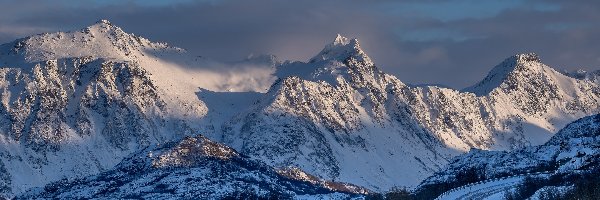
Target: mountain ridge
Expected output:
[101,39]
[348,103]
[337,116]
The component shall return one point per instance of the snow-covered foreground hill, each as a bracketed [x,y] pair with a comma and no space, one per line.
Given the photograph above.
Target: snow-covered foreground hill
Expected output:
[573,151]
[194,168]
[76,103]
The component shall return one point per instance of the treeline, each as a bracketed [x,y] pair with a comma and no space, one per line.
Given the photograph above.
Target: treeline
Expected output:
[393,194]
[473,175]
[464,177]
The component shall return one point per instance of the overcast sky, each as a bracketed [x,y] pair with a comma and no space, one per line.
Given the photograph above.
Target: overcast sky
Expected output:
[454,43]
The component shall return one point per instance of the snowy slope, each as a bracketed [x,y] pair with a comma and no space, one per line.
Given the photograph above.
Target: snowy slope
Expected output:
[194,168]
[339,117]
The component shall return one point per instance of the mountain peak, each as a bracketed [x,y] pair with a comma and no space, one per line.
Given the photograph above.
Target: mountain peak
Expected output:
[519,60]
[515,65]
[526,57]
[99,40]
[340,40]
[339,59]
[103,25]
[103,21]
[341,49]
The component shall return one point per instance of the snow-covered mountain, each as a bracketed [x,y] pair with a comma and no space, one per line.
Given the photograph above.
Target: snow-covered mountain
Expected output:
[194,168]
[573,150]
[338,116]
[76,103]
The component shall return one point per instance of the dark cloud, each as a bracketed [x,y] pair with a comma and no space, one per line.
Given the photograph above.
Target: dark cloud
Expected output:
[453,43]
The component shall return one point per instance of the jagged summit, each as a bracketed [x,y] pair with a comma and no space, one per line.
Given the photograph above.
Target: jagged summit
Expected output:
[526,57]
[103,21]
[341,49]
[341,40]
[513,63]
[516,64]
[512,67]
[533,87]
[341,59]
[103,24]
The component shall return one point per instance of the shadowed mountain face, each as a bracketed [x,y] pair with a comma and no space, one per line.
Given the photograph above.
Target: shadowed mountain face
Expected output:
[76,103]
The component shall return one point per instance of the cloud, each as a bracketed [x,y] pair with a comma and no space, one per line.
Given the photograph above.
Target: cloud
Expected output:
[418,41]
[250,78]
[243,76]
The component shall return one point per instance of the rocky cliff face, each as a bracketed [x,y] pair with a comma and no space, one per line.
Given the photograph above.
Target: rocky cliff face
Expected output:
[61,97]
